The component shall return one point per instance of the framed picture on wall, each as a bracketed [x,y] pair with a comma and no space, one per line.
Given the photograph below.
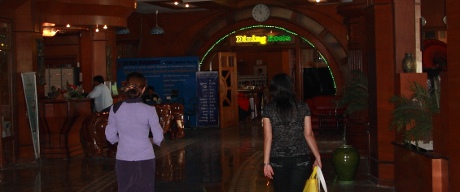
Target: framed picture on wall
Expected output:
[260,70]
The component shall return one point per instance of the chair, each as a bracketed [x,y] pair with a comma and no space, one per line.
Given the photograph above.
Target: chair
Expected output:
[175,98]
[177,113]
[190,109]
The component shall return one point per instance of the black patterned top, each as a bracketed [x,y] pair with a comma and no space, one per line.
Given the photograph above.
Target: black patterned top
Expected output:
[288,137]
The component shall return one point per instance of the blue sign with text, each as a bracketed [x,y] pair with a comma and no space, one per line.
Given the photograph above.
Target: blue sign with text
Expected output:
[165,74]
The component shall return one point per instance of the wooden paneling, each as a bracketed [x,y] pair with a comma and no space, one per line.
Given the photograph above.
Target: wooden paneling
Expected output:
[99,58]
[403,81]
[433,12]
[419,171]
[62,12]
[404,19]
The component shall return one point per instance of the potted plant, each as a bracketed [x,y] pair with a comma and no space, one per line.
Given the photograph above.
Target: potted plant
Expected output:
[355,93]
[355,96]
[345,158]
[413,115]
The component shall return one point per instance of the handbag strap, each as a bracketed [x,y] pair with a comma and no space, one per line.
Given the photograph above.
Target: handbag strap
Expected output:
[321,180]
[314,173]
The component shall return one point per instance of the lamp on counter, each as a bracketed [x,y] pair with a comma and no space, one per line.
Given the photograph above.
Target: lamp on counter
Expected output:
[157,30]
[49,32]
[48,29]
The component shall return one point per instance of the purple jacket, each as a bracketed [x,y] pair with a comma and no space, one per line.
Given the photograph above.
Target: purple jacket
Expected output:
[130,126]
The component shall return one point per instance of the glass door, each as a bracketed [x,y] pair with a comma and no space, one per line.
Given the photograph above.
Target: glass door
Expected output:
[6,97]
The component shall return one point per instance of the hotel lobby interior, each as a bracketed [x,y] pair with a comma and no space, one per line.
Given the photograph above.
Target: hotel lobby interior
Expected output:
[319,43]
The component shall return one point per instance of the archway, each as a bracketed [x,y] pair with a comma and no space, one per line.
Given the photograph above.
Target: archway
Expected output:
[331,49]
[207,57]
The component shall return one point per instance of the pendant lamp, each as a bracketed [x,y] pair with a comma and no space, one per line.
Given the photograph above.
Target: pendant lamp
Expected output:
[157,30]
[123,31]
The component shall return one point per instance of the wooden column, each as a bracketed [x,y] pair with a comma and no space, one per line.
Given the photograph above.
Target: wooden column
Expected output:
[451,108]
[381,39]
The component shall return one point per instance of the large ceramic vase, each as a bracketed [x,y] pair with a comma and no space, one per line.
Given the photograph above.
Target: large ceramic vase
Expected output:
[408,63]
[345,160]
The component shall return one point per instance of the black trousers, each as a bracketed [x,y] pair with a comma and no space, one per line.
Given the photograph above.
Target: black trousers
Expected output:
[290,173]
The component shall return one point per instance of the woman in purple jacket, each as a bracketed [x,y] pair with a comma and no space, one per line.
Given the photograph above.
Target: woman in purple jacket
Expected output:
[129,124]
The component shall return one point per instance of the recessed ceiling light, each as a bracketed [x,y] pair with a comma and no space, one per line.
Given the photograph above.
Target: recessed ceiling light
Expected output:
[317,1]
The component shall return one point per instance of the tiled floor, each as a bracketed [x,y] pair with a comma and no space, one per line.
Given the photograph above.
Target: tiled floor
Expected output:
[207,160]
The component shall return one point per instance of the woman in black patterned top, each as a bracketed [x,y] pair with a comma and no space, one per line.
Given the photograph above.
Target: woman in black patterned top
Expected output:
[288,137]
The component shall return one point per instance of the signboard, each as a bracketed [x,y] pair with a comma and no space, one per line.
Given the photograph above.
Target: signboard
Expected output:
[165,74]
[208,103]
[262,39]
[30,92]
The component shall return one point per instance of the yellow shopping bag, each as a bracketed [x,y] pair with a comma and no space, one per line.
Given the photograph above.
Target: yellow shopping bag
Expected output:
[316,181]
[312,182]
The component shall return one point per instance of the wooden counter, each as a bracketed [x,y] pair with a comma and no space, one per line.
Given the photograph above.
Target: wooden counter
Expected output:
[60,124]
[420,171]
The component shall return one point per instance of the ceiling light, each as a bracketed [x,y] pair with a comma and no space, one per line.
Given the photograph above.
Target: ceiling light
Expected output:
[187,5]
[48,24]
[97,29]
[157,30]
[105,27]
[176,3]
[68,25]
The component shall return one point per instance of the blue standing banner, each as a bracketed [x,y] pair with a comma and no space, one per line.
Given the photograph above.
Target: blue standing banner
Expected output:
[208,105]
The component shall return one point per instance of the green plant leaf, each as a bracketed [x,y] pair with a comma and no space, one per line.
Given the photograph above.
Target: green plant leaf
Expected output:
[413,115]
[355,93]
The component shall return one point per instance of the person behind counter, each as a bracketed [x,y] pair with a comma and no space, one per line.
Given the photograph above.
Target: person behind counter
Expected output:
[101,95]
[150,97]
[129,124]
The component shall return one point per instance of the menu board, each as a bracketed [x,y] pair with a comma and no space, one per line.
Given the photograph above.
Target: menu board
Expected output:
[208,105]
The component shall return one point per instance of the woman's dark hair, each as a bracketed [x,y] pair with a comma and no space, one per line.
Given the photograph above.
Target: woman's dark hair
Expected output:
[135,85]
[282,93]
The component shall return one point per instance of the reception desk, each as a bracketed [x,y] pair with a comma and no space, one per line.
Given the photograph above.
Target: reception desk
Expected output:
[60,124]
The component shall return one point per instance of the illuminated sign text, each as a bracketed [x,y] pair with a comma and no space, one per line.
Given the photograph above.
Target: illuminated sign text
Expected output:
[262,39]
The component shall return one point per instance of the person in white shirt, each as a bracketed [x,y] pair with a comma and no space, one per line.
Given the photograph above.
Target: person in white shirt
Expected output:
[101,95]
